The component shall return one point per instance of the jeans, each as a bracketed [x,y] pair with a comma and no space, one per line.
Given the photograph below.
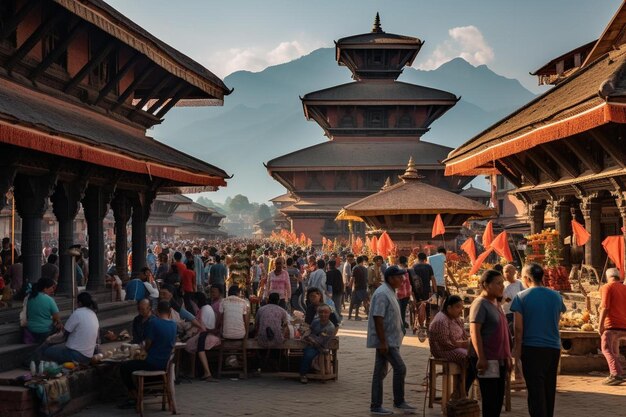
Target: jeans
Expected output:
[60,354]
[127,368]
[308,355]
[610,350]
[540,366]
[337,299]
[404,302]
[380,372]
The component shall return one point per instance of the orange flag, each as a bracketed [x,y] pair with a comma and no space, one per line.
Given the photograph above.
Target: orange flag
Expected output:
[374,245]
[480,260]
[614,247]
[385,244]
[309,242]
[501,245]
[469,247]
[488,235]
[580,233]
[438,227]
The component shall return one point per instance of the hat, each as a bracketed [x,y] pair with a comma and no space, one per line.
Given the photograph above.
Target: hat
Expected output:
[394,270]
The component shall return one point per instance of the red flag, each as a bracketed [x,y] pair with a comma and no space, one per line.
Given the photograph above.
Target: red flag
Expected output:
[480,260]
[469,247]
[580,233]
[488,235]
[438,227]
[501,245]
[614,247]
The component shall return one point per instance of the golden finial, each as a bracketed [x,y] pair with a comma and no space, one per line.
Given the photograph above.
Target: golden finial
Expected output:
[411,171]
[376,28]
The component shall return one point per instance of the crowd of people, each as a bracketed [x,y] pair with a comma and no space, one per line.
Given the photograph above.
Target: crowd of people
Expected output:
[196,293]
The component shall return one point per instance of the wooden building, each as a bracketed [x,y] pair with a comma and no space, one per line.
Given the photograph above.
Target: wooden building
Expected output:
[407,210]
[374,124]
[196,221]
[79,85]
[565,151]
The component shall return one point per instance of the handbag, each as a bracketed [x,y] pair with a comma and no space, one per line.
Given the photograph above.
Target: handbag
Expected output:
[23,317]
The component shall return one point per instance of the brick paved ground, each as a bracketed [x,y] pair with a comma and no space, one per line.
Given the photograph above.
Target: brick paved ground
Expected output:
[270,396]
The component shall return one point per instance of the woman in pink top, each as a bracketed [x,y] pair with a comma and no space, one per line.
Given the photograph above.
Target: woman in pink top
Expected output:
[278,282]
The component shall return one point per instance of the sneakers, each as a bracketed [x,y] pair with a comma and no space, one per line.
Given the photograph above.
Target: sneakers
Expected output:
[408,409]
[379,411]
[613,380]
[421,334]
[304,379]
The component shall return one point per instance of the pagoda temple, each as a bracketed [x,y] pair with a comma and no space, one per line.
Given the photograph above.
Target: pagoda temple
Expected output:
[374,124]
[407,210]
[565,152]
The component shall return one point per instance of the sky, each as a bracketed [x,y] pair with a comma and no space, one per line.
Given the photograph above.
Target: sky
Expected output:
[511,37]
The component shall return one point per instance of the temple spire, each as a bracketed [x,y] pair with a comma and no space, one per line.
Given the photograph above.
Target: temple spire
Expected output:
[376,28]
[387,184]
[411,172]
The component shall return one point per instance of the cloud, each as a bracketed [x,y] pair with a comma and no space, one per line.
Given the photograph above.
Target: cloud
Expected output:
[255,59]
[466,42]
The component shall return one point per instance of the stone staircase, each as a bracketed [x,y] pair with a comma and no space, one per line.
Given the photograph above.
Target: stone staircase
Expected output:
[114,316]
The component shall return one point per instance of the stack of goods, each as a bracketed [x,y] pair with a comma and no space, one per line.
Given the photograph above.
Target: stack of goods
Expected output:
[465,279]
[577,320]
[544,249]
[239,270]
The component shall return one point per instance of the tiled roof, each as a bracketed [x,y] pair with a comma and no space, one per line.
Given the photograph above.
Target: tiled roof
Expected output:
[391,91]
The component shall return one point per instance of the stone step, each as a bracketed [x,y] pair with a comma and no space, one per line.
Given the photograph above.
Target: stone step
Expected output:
[11,332]
[13,355]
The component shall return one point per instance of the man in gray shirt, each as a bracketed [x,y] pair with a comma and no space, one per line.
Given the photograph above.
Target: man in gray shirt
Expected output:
[50,269]
[385,332]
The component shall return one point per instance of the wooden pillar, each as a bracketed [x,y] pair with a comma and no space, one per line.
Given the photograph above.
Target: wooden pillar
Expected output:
[141,212]
[563,217]
[591,208]
[96,205]
[536,214]
[65,203]
[31,202]
[121,211]
[621,205]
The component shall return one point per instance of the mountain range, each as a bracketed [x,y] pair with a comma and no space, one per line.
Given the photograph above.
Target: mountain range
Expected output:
[263,117]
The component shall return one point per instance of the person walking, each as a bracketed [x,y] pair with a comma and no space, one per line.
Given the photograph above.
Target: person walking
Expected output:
[334,281]
[613,324]
[385,332]
[537,340]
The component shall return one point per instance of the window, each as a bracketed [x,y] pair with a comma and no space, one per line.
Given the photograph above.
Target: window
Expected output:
[7,11]
[52,40]
[105,70]
[376,58]
[405,121]
[347,120]
[375,118]
[501,206]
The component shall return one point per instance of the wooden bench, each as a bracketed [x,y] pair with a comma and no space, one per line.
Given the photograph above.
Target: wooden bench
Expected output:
[294,347]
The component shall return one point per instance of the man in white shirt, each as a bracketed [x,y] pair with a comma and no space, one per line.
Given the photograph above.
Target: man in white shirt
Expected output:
[234,312]
[317,278]
[512,287]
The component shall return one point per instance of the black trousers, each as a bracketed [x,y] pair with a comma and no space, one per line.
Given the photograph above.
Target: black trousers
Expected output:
[540,367]
[491,389]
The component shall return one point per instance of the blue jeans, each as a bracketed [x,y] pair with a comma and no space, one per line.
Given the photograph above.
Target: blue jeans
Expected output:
[308,355]
[380,372]
[60,354]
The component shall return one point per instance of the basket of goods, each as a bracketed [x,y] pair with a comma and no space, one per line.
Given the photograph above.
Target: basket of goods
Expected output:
[577,320]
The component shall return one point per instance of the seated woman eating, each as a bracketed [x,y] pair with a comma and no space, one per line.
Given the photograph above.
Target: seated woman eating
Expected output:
[447,336]
[205,340]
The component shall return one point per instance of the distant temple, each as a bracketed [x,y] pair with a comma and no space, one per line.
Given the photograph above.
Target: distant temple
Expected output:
[374,125]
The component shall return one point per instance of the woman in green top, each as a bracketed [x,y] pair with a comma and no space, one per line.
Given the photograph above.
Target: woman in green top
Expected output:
[42,312]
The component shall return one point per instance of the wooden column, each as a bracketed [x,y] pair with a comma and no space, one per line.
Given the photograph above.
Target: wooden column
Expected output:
[65,203]
[563,217]
[96,205]
[591,208]
[620,200]
[141,211]
[31,202]
[536,214]
[121,211]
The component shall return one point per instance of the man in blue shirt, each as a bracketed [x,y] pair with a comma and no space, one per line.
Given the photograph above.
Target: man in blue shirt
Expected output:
[438,263]
[160,338]
[217,273]
[537,339]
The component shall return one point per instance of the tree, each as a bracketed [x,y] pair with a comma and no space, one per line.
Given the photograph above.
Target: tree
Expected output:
[263,212]
[239,204]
